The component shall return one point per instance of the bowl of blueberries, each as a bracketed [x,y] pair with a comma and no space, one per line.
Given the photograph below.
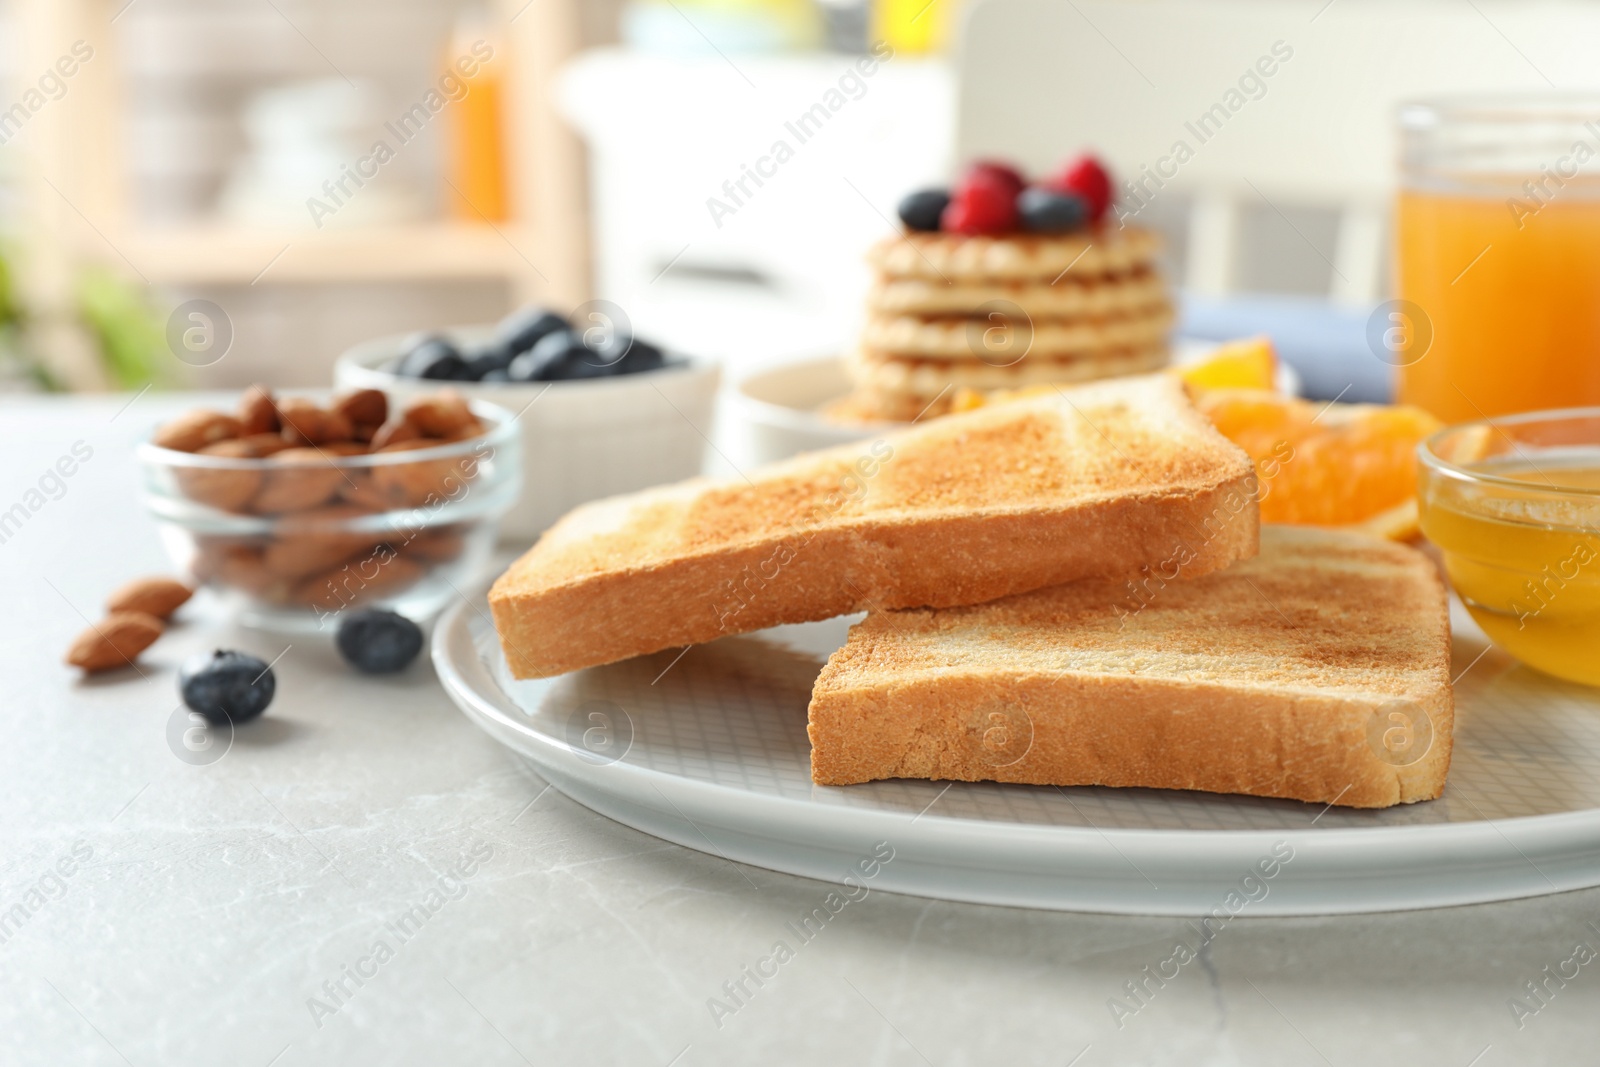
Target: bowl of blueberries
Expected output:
[602,411]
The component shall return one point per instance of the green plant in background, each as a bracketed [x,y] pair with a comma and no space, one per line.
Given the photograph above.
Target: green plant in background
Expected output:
[128,330]
[14,354]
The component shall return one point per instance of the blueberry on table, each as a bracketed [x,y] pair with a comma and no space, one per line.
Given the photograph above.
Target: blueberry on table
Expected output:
[432,357]
[577,364]
[622,354]
[522,369]
[610,351]
[483,359]
[1049,211]
[379,642]
[638,357]
[526,327]
[922,209]
[226,686]
[530,366]
[561,356]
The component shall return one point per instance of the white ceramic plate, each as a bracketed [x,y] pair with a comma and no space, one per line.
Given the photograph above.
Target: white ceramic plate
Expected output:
[773,413]
[709,750]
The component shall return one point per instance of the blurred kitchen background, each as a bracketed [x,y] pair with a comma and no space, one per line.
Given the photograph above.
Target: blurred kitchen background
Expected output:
[181,159]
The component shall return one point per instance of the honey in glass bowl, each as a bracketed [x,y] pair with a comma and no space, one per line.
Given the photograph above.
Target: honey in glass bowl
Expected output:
[1514,506]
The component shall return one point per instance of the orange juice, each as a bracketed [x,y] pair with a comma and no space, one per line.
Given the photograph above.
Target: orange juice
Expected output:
[1511,289]
[476,159]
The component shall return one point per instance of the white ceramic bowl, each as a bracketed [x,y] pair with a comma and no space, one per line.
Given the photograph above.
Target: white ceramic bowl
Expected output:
[581,440]
[774,413]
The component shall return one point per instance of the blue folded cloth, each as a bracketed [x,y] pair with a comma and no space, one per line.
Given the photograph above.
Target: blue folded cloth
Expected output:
[1327,344]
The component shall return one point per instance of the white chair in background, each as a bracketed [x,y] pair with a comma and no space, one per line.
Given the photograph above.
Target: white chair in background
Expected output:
[1040,80]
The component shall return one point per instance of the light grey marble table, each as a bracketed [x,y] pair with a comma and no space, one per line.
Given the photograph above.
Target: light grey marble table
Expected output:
[366,878]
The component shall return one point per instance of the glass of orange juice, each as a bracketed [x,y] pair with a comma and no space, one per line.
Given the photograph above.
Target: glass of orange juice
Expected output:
[1497,235]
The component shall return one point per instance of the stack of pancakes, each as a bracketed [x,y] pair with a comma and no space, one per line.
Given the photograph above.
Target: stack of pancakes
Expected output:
[1002,312]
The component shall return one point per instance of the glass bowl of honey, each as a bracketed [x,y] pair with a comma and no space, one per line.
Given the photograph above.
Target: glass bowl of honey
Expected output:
[1513,503]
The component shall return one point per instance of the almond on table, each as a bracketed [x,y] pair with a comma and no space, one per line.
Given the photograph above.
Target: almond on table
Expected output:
[434,546]
[440,414]
[258,412]
[394,433]
[337,428]
[237,564]
[369,407]
[307,422]
[414,483]
[192,431]
[226,488]
[302,434]
[360,582]
[293,470]
[159,596]
[360,491]
[466,432]
[115,641]
[298,478]
[233,448]
[298,555]
[261,445]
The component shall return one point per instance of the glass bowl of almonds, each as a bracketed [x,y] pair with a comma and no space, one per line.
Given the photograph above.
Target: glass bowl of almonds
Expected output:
[293,508]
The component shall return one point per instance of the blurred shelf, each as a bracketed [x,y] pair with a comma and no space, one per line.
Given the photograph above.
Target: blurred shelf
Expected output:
[220,254]
[75,198]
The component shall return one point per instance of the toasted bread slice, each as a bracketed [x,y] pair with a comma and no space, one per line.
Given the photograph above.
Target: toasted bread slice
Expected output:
[1107,479]
[1318,671]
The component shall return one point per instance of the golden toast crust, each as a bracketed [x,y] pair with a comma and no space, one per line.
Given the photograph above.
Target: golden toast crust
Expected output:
[1102,480]
[1281,676]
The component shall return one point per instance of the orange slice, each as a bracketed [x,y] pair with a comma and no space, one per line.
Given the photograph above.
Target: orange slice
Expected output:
[1351,465]
[1348,465]
[1247,364]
